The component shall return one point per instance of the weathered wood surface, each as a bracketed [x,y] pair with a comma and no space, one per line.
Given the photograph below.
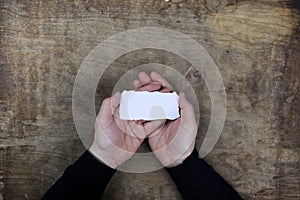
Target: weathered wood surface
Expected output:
[254,43]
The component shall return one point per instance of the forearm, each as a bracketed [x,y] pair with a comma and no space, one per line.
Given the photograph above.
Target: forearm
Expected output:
[195,179]
[87,178]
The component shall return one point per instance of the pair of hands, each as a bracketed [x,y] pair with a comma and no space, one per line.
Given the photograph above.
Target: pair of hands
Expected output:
[116,140]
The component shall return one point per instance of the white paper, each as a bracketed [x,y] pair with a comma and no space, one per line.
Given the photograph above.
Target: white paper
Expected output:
[136,105]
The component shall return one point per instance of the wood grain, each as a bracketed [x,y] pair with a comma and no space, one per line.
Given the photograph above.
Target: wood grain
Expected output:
[255,44]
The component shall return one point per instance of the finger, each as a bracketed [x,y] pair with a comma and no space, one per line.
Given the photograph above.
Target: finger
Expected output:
[165,90]
[157,77]
[135,130]
[153,126]
[144,78]
[139,122]
[136,84]
[154,86]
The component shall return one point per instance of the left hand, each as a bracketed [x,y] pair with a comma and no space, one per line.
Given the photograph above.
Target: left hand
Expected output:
[174,141]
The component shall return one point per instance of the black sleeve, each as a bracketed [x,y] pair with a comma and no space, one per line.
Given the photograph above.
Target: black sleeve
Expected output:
[195,179]
[87,178]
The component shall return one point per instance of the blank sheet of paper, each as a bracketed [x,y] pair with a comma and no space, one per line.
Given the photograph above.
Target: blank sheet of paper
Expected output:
[136,105]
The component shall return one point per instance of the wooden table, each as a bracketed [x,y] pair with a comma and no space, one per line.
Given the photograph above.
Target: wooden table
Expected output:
[255,45]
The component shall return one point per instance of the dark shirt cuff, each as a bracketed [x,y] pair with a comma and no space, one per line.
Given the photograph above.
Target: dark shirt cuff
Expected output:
[87,178]
[195,179]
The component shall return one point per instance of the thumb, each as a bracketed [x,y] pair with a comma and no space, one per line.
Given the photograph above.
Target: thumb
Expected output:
[186,109]
[105,115]
[115,100]
[153,126]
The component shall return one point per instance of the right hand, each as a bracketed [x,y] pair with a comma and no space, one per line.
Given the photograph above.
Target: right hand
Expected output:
[116,140]
[174,141]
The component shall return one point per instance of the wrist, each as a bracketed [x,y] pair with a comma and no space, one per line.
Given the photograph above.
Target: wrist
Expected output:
[102,156]
[182,157]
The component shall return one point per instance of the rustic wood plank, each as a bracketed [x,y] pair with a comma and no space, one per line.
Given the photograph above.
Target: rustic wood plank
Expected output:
[254,43]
